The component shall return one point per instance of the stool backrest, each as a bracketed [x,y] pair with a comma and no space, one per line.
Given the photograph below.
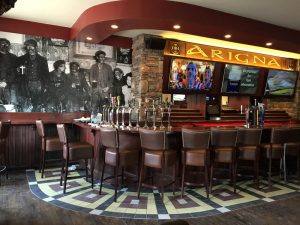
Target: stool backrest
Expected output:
[152,139]
[294,135]
[195,139]
[4,129]
[280,135]
[249,136]
[40,128]
[62,133]
[109,137]
[223,137]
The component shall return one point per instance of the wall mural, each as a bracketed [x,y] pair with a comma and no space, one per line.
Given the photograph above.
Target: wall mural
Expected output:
[39,74]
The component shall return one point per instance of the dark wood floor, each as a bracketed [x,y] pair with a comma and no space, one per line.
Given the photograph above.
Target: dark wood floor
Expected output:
[19,206]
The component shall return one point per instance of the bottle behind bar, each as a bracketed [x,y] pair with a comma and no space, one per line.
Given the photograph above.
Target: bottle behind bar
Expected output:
[254,114]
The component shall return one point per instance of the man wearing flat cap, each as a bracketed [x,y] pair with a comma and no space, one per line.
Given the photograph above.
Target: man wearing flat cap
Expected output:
[101,80]
[33,75]
[80,91]
[7,73]
[58,88]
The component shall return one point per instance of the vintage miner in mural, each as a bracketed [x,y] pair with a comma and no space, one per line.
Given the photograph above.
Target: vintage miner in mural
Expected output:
[39,74]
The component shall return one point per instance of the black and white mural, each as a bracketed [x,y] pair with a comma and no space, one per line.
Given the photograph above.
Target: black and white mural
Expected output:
[39,74]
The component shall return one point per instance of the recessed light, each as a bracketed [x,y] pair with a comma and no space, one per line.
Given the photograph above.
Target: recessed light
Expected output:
[89,38]
[269,43]
[227,36]
[177,26]
[114,26]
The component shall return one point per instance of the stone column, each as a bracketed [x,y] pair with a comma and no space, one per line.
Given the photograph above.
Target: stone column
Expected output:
[147,70]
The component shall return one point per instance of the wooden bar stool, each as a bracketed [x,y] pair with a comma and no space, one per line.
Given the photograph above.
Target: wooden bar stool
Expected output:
[74,151]
[275,149]
[248,147]
[4,131]
[121,150]
[223,142]
[49,144]
[156,155]
[195,152]
[292,148]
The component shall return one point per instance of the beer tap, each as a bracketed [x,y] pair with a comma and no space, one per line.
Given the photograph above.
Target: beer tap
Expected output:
[146,113]
[117,112]
[111,113]
[138,112]
[162,112]
[169,116]
[154,115]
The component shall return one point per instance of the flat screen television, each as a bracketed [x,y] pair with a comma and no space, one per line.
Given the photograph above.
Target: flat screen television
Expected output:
[190,75]
[178,97]
[281,83]
[240,79]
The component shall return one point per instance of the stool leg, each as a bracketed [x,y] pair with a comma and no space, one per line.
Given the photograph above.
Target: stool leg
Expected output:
[92,172]
[41,161]
[256,168]
[43,164]
[174,178]
[164,176]
[182,179]
[62,172]
[206,180]
[102,178]
[122,176]
[66,175]
[86,169]
[141,177]
[116,182]
[211,177]
[270,168]
[284,164]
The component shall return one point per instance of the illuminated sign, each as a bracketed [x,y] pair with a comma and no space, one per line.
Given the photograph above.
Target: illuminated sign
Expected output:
[205,52]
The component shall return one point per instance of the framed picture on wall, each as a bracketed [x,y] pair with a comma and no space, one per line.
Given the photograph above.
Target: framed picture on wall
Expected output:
[124,55]
[88,49]
[57,52]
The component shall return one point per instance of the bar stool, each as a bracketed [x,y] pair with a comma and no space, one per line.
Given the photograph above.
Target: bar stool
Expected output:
[223,142]
[121,150]
[275,149]
[248,146]
[292,148]
[4,131]
[155,154]
[49,144]
[74,151]
[195,152]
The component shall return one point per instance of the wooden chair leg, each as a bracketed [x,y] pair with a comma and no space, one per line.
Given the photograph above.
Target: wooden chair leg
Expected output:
[41,160]
[43,164]
[174,178]
[211,177]
[122,181]
[86,169]
[182,179]
[206,180]
[270,171]
[66,175]
[62,172]
[164,176]
[116,182]
[141,177]
[102,178]
[92,172]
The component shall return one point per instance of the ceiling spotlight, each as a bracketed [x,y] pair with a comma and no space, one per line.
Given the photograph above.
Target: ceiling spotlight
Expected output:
[227,36]
[89,38]
[176,26]
[114,26]
[269,43]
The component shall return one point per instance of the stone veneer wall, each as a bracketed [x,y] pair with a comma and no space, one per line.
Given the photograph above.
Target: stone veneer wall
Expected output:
[291,106]
[147,70]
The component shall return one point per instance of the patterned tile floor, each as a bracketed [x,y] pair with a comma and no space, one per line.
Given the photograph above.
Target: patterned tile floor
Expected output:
[80,197]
